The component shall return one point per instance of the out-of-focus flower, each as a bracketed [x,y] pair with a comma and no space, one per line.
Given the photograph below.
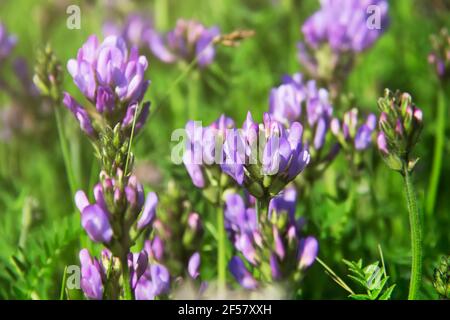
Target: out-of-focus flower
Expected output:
[400,125]
[189,40]
[307,252]
[265,157]
[137,264]
[347,25]
[440,55]
[154,282]
[336,33]
[277,247]
[351,133]
[93,276]
[111,77]
[137,29]
[7,42]
[294,97]
[194,265]
[119,203]
[241,274]
[242,226]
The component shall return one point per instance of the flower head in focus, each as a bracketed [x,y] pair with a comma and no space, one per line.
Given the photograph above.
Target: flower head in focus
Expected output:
[400,125]
[112,79]
[265,157]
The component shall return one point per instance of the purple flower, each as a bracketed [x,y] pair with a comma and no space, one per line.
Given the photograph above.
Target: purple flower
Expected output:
[111,77]
[283,155]
[287,101]
[137,263]
[307,252]
[242,226]
[80,114]
[97,218]
[201,149]
[346,25]
[137,29]
[92,276]
[155,248]
[194,265]
[7,42]
[149,211]
[440,55]
[188,41]
[351,131]
[155,281]
[241,274]
[284,203]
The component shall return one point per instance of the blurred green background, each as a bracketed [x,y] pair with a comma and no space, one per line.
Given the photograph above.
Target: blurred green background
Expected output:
[37,212]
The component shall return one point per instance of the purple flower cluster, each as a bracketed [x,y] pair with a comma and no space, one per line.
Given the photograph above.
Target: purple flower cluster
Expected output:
[346,25]
[111,77]
[154,281]
[282,244]
[265,157]
[137,30]
[440,55]
[148,278]
[286,104]
[7,42]
[189,40]
[116,203]
[242,227]
[350,131]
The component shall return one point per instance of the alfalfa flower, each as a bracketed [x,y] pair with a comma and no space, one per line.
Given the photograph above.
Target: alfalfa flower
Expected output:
[439,57]
[344,24]
[265,157]
[189,41]
[111,77]
[352,133]
[302,101]
[336,33]
[276,248]
[7,42]
[137,29]
[120,211]
[400,125]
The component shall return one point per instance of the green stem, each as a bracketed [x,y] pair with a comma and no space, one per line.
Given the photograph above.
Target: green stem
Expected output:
[416,237]
[63,284]
[221,248]
[128,295]
[438,149]
[65,151]
[193,96]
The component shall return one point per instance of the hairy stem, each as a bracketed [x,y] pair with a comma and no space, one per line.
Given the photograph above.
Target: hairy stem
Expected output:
[437,157]
[416,237]
[221,251]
